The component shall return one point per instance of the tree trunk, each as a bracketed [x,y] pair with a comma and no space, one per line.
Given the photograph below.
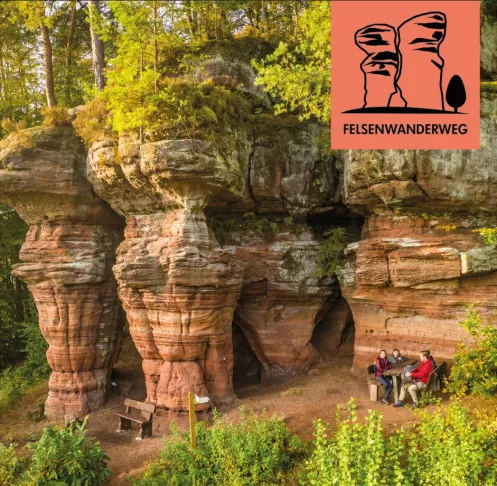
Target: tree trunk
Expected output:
[70,35]
[264,16]
[156,47]
[3,90]
[47,52]
[97,46]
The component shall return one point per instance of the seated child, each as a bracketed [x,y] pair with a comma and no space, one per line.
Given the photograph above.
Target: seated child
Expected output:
[396,357]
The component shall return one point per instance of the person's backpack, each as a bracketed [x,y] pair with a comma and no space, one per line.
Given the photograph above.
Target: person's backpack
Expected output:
[372,369]
[406,379]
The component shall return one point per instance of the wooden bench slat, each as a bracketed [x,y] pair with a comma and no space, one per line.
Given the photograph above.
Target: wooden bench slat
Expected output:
[145,407]
[134,418]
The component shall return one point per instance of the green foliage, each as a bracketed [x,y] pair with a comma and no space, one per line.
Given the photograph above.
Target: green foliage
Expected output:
[56,116]
[92,121]
[297,74]
[10,466]
[489,235]
[15,382]
[428,398]
[67,456]
[19,330]
[178,109]
[444,449]
[10,126]
[424,216]
[16,304]
[475,365]
[329,260]
[258,450]
[21,92]
[252,222]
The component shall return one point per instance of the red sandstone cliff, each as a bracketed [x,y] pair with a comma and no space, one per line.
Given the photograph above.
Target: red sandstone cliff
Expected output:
[419,261]
[67,263]
[215,237]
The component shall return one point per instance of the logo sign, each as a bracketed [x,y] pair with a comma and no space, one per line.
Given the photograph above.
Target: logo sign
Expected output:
[405,74]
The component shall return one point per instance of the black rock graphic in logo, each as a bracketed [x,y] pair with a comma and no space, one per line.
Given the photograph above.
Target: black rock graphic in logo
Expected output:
[403,69]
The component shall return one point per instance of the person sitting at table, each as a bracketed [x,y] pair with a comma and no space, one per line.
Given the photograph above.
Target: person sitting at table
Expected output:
[420,376]
[430,357]
[382,365]
[396,357]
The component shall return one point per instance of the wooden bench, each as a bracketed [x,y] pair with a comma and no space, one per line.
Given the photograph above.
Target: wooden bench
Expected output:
[144,419]
[373,385]
[436,378]
[441,372]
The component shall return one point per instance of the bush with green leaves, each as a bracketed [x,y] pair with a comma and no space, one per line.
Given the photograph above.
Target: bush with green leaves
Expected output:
[15,382]
[10,466]
[489,235]
[444,449]
[296,74]
[66,456]
[474,369]
[329,260]
[257,450]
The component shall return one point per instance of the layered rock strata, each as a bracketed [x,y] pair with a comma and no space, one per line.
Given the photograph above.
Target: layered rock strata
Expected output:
[282,301]
[180,287]
[421,260]
[67,263]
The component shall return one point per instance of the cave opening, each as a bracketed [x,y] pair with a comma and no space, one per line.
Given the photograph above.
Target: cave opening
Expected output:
[246,366]
[335,332]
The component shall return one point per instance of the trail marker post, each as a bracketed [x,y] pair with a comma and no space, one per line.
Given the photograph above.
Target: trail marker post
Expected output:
[192,401]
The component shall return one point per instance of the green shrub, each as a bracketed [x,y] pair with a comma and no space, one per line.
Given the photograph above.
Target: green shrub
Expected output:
[15,382]
[475,365]
[443,449]
[178,109]
[255,451]
[329,260]
[55,116]
[68,457]
[91,122]
[489,235]
[10,466]
[11,126]
[36,347]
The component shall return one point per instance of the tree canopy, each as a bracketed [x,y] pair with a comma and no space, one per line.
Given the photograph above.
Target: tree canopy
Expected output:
[127,54]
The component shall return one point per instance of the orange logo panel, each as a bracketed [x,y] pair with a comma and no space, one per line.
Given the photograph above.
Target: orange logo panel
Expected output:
[405,74]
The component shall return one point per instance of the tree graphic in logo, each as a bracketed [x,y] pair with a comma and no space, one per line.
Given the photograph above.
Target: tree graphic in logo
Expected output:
[403,69]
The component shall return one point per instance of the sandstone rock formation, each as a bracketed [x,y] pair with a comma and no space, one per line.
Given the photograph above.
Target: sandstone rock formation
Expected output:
[419,261]
[222,232]
[180,288]
[380,68]
[282,300]
[67,263]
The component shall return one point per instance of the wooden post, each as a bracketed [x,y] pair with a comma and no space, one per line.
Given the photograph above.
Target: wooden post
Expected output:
[191,410]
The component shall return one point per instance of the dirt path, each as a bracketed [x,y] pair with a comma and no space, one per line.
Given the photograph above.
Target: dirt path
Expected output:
[299,402]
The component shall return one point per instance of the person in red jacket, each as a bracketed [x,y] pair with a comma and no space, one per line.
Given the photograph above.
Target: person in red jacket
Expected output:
[420,376]
[382,365]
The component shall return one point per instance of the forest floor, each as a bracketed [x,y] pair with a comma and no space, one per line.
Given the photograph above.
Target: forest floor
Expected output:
[298,402]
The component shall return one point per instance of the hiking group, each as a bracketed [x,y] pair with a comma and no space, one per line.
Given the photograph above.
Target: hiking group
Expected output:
[414,378]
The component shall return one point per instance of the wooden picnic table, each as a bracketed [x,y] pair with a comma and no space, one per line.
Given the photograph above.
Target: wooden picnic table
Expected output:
[395,372]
